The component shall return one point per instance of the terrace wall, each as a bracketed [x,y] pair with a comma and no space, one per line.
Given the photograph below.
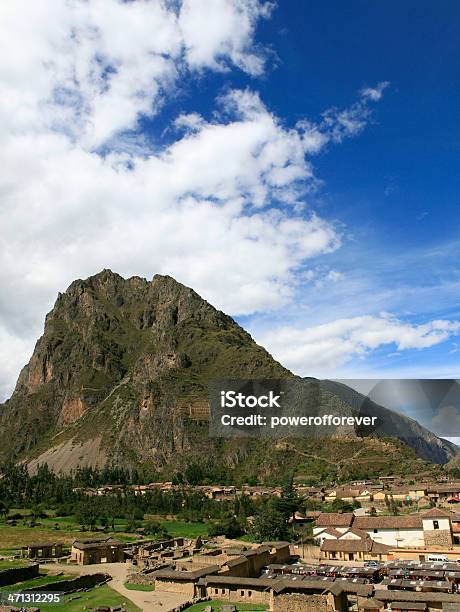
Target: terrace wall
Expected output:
[87,581]
[18,574]
[298,602]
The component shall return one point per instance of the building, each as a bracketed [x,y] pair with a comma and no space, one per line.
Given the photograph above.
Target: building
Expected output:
[179,581]
[341,521]
[400,530]
[406,599]
[236,589]
[437,527]
[439,493]
[360,549]
[42,550]
[90,551]
[434,528]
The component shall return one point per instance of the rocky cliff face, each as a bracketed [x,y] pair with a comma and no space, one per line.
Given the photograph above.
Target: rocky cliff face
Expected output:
[120,376]
[127,361]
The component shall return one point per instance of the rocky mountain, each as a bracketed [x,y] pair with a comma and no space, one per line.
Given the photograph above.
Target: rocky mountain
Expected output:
[120,376]
[392,424]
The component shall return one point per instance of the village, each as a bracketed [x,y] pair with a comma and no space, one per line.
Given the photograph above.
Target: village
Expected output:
[396,548]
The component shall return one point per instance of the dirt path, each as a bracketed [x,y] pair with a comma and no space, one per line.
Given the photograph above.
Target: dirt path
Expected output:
[340,464]
[147,601]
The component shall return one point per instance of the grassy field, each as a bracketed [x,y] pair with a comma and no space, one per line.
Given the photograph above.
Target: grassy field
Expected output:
[7,563]
[13,537]
[139,587]
[184,529]
[33,582]
[101,596]
[66,529]
[216,603]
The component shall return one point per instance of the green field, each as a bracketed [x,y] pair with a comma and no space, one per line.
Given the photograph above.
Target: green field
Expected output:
[34,582]
[9,563]
[139,587]
[185,529]
[66,529]
[216,603]
[101,596]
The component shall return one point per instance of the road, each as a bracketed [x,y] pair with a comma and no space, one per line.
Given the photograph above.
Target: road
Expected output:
[148,601]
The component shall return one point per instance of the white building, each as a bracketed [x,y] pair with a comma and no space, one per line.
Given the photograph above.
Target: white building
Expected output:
[403,531]
[432,528]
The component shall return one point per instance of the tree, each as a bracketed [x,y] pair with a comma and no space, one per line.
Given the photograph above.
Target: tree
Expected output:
[194,474]
[4,509]
[230,528]
[270,524]
[289,502]
[339,505]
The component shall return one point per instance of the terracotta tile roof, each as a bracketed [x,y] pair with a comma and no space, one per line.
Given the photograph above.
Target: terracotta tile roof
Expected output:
[335,519]
[357,532]
[345,492]
[438,513]
[407,521]
[332,532]
[365,545]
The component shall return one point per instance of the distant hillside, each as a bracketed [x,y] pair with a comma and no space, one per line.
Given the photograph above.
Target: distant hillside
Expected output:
[120,376]
[425,443]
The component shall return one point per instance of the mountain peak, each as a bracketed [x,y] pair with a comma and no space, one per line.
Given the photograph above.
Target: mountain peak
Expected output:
[125,356]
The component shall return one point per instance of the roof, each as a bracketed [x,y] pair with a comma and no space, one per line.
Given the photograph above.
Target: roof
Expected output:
[86,545]
[332,532]
[335,519]
[453,487]
[364,545]
[312,514]
[384,595]
[437,512]
[254,582]
[357,532]
[405,521]
[369,604]
[169,574]
[278,545]
[310,583]
[404,605]
[236,561]
[345,492]
[41,545]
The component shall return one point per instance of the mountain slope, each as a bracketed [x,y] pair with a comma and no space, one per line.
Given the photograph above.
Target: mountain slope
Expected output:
[122,361]
[424,442]
[120,376]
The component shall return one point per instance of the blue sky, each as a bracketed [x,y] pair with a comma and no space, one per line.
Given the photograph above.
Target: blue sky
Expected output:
[296,164]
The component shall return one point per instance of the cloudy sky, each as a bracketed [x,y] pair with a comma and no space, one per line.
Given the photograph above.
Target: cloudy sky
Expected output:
[295,163]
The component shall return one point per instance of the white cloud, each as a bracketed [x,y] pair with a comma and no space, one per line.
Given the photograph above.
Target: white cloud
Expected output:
[218,31]
[322,349]
[216,208]
[91,68]
[375,93]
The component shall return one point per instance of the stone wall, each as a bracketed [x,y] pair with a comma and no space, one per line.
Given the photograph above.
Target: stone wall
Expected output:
[438,537]
[298,602]
[87,581]
[138,578]
[186,587]
[18,574]
[238,594]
